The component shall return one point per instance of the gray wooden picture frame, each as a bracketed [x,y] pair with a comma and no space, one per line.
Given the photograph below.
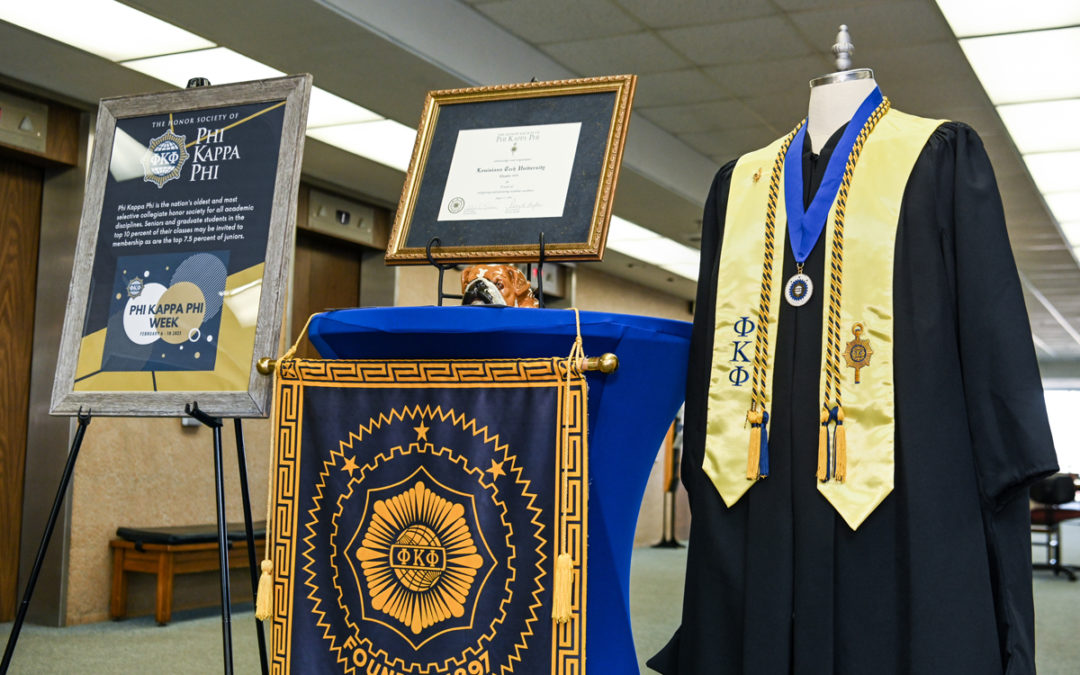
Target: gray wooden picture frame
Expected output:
[295,92]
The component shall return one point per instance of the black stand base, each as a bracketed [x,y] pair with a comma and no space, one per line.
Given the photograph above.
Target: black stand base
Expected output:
[223,542]
[65,480]
[241,457]
[667,538]
[668,543]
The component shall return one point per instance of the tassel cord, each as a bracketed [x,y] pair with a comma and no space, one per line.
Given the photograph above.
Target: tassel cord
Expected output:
[563,583]
[264,600]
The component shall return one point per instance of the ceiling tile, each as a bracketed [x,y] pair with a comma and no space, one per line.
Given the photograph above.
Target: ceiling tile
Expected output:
[678,86]
[885,24]
[781,109]
[983,119]
[724,145]
[803,5]
[639,53]
[763,77]
[660,14]
[560,20]
[680,119]
[764,39]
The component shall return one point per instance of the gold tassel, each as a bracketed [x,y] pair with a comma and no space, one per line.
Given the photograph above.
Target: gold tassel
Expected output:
[841,448]
[753,455]
[563,585]
[264,600]
[823,448]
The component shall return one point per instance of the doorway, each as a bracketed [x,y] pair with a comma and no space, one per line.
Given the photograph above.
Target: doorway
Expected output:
[20,223]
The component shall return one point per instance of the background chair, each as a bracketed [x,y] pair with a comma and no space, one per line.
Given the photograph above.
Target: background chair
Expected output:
[1055,502]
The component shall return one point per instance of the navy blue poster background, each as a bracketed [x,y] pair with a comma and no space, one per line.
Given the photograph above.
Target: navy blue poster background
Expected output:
[425,538]
[186,205]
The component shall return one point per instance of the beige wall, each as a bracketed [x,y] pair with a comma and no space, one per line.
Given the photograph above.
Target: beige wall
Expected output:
[153,472]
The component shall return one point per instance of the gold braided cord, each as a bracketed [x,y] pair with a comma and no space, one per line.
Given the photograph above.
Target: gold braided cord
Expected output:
[836,265]
[761,336]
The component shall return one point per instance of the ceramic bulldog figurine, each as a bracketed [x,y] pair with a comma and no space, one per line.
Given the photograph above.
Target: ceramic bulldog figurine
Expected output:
[496,285]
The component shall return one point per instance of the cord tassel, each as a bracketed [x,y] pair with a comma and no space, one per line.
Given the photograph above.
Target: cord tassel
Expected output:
[823,448]
[840,472]
[564,581]
[264,601]
[753,455]
[763,464]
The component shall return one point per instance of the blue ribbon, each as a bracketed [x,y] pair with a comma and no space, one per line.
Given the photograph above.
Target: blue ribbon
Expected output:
[805,225]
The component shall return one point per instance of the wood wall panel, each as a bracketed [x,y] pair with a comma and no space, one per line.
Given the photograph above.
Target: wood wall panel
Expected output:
[20,218]
[326,275]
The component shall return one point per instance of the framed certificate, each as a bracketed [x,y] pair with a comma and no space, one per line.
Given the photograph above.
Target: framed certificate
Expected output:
[179,277]
[495,167]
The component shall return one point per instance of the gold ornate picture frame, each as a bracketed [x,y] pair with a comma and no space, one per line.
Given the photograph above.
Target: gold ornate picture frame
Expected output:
[179,280]
[494,168]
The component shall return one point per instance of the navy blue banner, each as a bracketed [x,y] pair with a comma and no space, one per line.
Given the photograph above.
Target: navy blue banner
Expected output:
[419,510]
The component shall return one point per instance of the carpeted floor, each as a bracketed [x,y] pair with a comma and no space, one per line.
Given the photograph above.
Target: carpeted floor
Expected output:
[192,643]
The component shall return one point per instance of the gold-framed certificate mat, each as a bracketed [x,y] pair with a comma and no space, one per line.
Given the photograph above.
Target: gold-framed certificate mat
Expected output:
[179,277]
[494,167]
[429,517]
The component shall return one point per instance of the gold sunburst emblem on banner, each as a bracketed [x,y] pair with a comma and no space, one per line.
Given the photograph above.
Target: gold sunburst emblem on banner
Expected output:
[418,558]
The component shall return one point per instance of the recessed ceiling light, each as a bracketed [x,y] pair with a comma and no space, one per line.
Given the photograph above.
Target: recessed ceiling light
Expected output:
[219,65]
[1035,66]
[1050,126]
[989,17]
[1055,171]
[104,27]
[386,141]
[1066,208]
[328,109]
[1072,232]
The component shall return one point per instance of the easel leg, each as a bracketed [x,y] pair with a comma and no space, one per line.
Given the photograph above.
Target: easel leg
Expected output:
[65,480]
[241,456]
[223,541]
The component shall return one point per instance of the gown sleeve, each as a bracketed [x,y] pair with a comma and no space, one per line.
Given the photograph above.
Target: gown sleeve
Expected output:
[1010,434]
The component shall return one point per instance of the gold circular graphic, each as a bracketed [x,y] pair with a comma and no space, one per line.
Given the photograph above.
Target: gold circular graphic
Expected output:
[180,309]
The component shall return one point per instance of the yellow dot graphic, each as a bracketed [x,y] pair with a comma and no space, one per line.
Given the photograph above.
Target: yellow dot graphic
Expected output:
[180,309]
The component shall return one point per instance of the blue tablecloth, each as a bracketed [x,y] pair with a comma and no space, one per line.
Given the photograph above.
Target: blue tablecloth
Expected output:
[629,413]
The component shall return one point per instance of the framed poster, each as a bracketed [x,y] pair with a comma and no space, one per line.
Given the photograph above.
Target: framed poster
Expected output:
[494,167]
[180,268]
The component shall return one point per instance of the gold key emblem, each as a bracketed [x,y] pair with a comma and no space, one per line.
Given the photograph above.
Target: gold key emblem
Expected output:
[858,351]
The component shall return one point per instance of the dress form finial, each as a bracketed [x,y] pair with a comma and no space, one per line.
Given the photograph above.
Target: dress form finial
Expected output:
[843,49]
[835,97]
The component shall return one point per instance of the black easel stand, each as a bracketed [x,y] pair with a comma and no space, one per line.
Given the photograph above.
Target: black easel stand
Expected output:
[223,540]
[69,468]
[242,458]
[443,267]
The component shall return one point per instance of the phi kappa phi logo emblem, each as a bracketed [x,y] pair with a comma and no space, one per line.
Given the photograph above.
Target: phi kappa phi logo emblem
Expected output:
[164,158]
[419,559]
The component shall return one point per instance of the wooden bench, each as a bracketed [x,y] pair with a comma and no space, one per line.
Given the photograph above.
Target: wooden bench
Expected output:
[168,551]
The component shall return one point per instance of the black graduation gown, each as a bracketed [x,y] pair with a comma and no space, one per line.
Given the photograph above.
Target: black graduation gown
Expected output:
[938,577]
